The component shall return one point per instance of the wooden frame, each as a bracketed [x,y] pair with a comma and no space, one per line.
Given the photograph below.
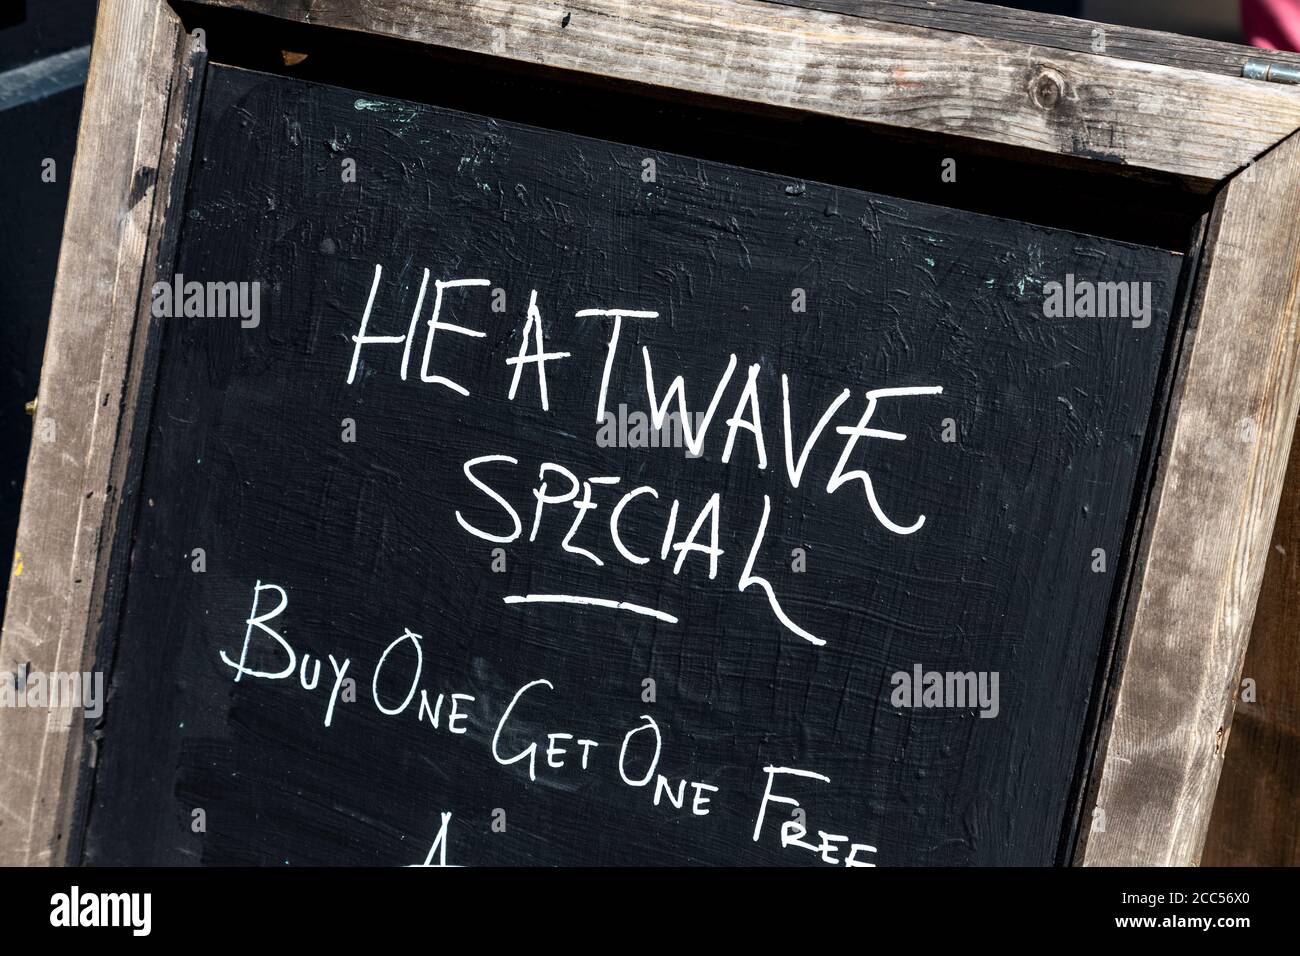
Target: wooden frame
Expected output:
[1152,104]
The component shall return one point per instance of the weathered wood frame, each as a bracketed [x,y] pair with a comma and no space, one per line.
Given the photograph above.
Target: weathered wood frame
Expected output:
[1154,103]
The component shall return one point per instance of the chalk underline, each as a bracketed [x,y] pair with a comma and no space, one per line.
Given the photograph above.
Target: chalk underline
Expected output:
[591,601]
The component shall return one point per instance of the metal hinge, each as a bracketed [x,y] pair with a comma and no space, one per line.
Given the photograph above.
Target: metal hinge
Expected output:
[1270,72]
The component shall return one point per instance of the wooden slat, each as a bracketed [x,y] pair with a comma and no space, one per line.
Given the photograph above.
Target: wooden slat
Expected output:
[1256,819]
[69,502]
[1192,124]
[1057,32]
[1208,530]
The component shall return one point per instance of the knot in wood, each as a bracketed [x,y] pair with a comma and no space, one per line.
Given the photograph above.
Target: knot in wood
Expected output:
[1047,89]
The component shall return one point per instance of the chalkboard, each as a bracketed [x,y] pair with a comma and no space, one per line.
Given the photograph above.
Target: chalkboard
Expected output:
[549,665]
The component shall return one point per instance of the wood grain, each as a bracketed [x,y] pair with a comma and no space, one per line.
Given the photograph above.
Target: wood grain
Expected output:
[1208,530]
[70,501]
[1152,117]
[1058,32]
[1256,819]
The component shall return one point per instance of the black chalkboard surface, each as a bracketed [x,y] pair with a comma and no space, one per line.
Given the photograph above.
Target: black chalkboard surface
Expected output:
[549,664]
